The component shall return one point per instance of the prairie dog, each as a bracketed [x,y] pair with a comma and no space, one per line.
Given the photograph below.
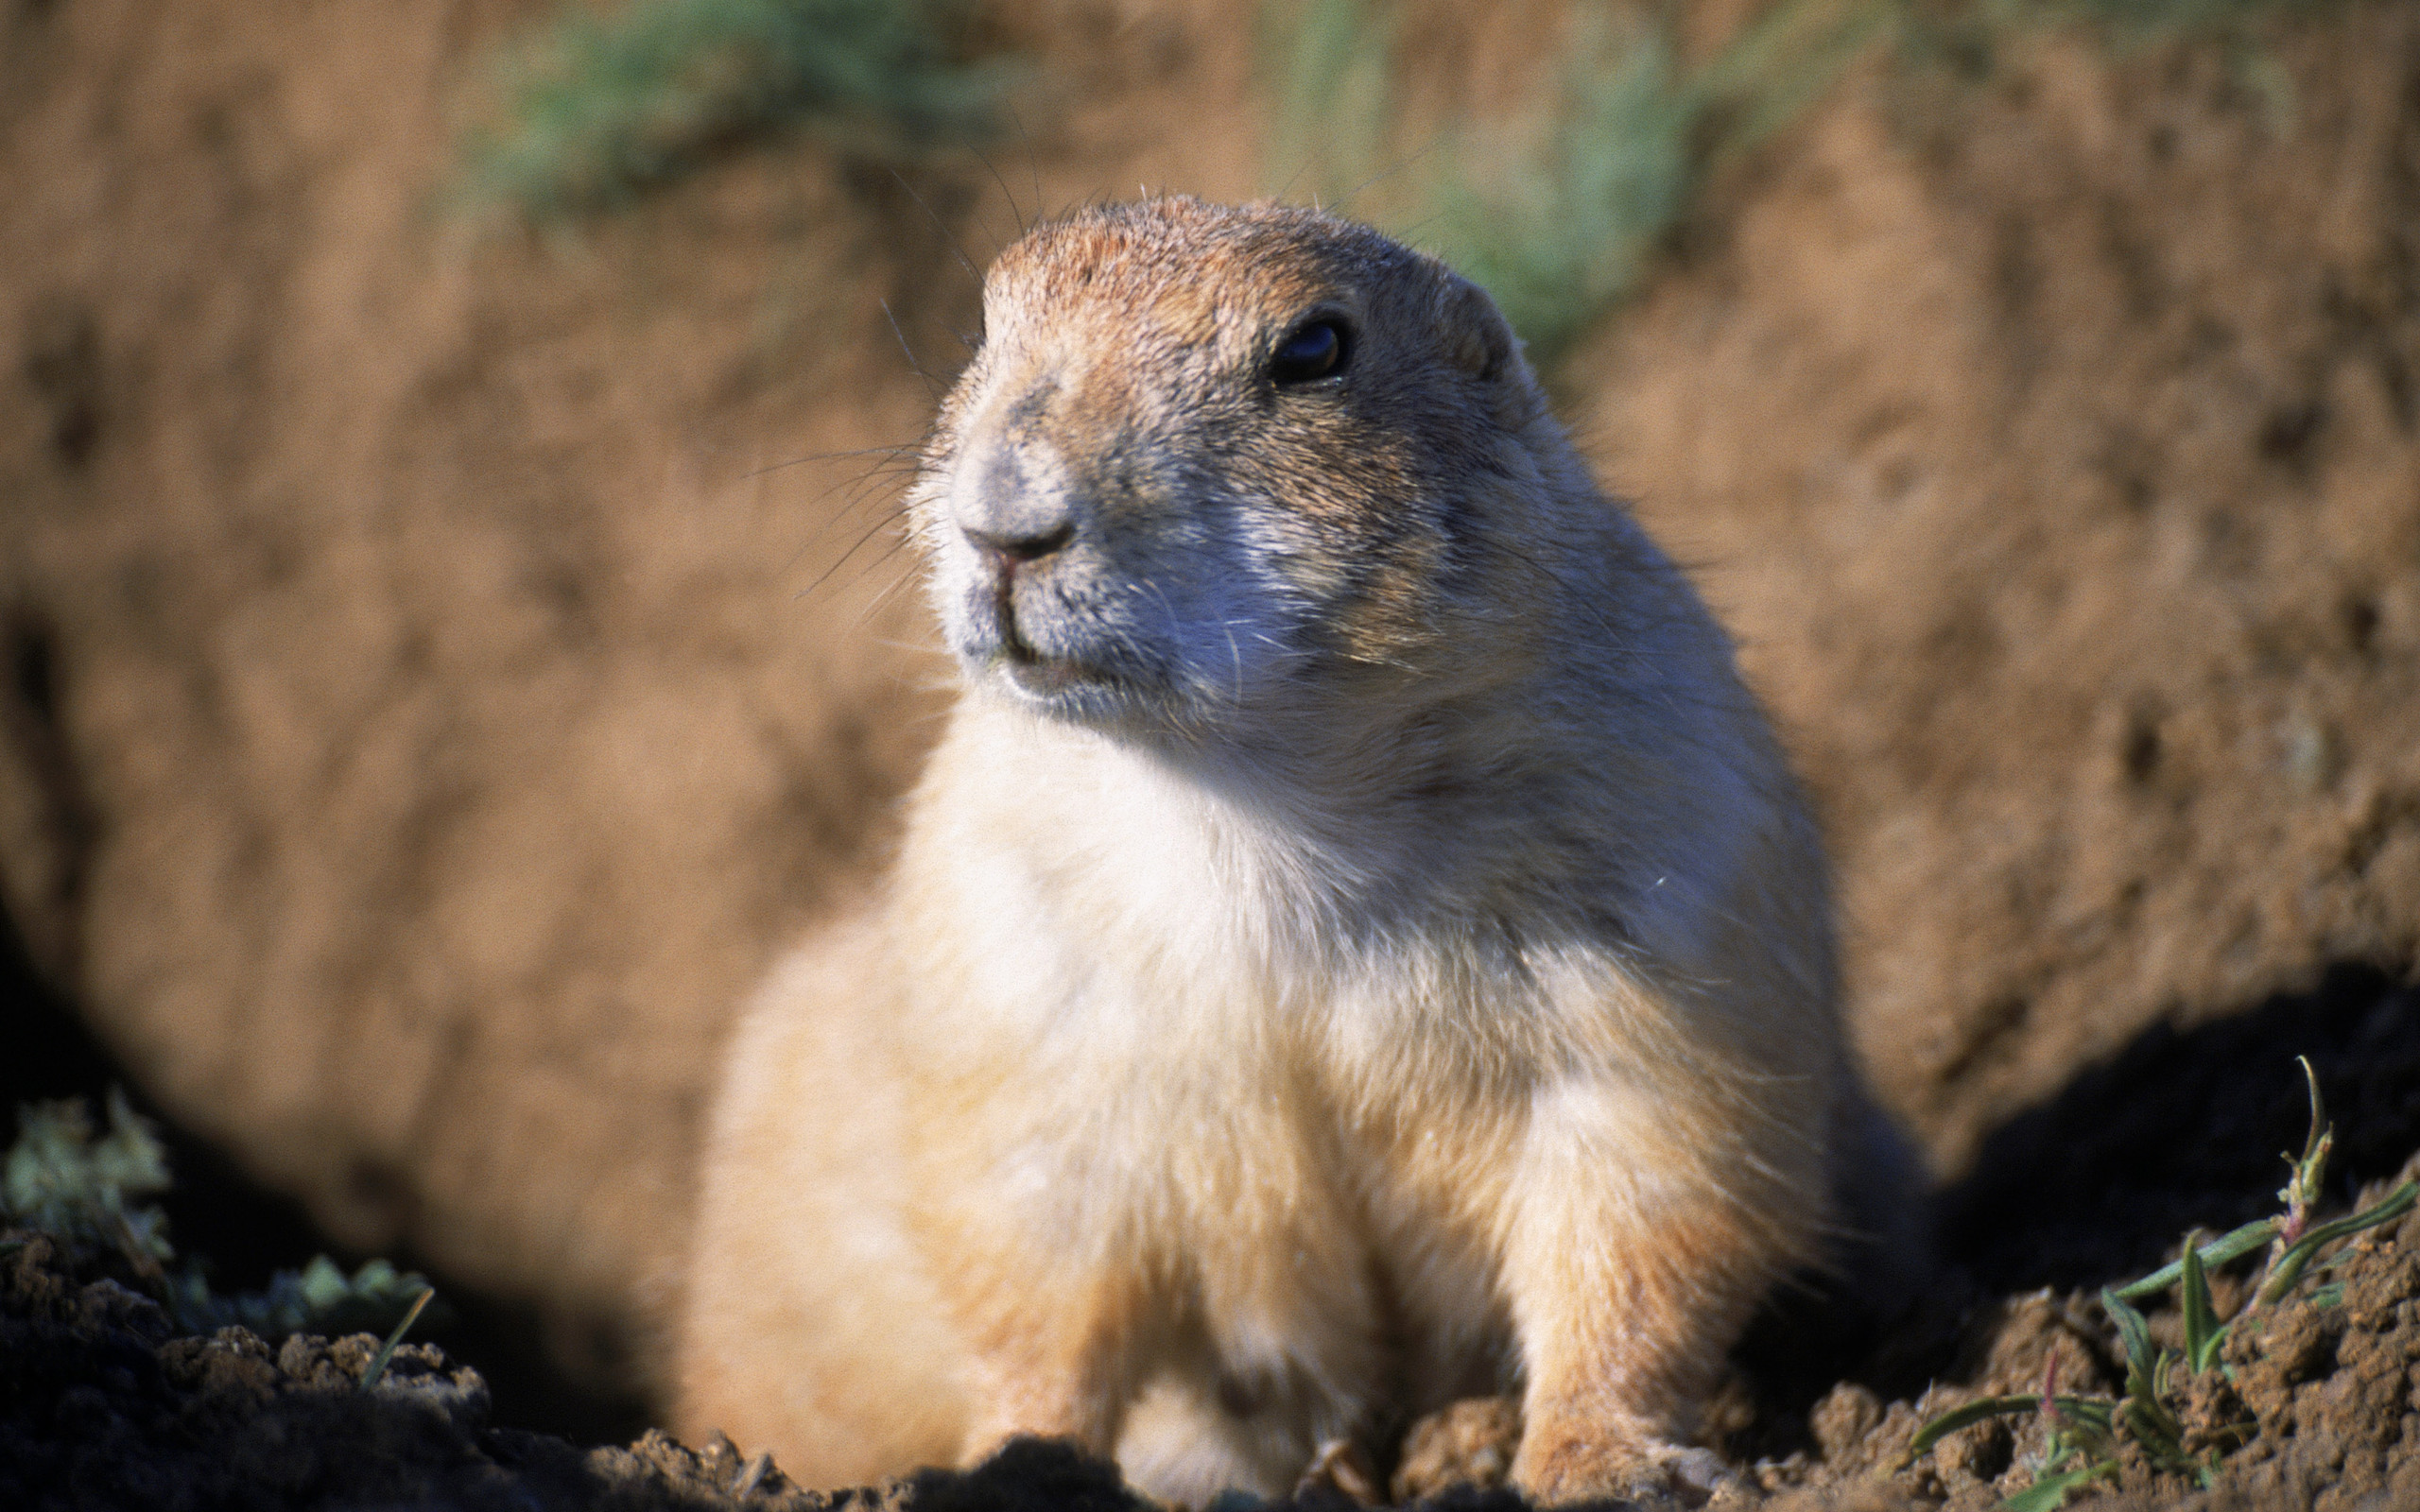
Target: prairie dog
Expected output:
[1357,945]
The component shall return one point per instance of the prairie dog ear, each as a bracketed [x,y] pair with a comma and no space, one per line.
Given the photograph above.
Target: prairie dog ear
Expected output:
[1479,340]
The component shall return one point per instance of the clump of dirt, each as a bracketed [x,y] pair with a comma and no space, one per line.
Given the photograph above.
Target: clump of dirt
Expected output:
[2315,1408]
[104,1406]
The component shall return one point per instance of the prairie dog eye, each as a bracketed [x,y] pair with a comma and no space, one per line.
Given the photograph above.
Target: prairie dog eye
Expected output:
[1315,350]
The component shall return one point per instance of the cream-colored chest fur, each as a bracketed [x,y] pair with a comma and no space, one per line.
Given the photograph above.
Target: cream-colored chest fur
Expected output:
[1275,1062]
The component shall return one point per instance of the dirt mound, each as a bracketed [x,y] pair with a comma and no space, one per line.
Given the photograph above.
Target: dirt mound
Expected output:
[2048,439]
[2311,1410]
[103,1406]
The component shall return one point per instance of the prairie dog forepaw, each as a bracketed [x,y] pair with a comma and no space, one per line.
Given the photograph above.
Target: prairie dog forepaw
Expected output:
[1611,1465]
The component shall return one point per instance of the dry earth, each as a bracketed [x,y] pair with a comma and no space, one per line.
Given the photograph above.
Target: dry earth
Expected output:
[2049,442]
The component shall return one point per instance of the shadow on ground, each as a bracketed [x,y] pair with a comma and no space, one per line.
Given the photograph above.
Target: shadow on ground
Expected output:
[245,1232]
[2186,1129]
[2181,1129]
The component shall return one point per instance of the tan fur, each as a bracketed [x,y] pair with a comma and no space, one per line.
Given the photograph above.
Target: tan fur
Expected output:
[1357,944]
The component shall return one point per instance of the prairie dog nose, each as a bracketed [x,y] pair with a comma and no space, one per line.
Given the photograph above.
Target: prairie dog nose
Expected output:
[1018,549]
[1012,511]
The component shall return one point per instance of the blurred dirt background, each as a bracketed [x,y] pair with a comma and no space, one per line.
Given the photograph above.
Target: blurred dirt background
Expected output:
[444,662]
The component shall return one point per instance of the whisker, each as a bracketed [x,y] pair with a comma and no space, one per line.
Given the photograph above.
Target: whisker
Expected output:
[862,488]
[824,576]
[1005,193]
[830,456]
[915,367]
[882,595]
[1030,167]
[957,249]
[1387,172]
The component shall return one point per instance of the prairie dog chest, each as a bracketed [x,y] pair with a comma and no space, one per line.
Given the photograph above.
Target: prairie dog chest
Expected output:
[1104,907]
[1153,1001]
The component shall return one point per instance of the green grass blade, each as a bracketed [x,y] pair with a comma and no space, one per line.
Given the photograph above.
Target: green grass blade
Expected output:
[1966,1416]
[2233,1245]
[2204,1333]
[2289,1265]
[2303,1182]
[2086,1426]
[2145,1418]
[2132,1333]
[394,1340]
[2150,1423]
[2054,1491]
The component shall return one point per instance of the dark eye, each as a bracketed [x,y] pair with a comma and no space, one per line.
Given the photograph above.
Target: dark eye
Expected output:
[1316,350]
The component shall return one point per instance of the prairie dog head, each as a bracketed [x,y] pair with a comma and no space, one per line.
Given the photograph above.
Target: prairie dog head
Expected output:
[1214,461]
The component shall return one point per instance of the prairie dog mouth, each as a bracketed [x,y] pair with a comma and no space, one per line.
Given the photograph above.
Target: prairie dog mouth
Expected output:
[1046,676]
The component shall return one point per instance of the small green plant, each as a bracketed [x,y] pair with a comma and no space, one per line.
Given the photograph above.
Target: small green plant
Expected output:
[1560,227]
[89,1192]
[319,1299]
[599,109]
[1558,213]
[2085,1431]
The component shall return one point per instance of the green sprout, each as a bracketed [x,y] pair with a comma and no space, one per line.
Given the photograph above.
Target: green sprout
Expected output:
[89,1192]
[377,1367]
[2086,1431]
[319,1299]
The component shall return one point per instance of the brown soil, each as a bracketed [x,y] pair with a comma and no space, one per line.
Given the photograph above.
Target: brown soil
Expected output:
[2321,1390]
[430,698]
[2049,442]
[103,1406]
